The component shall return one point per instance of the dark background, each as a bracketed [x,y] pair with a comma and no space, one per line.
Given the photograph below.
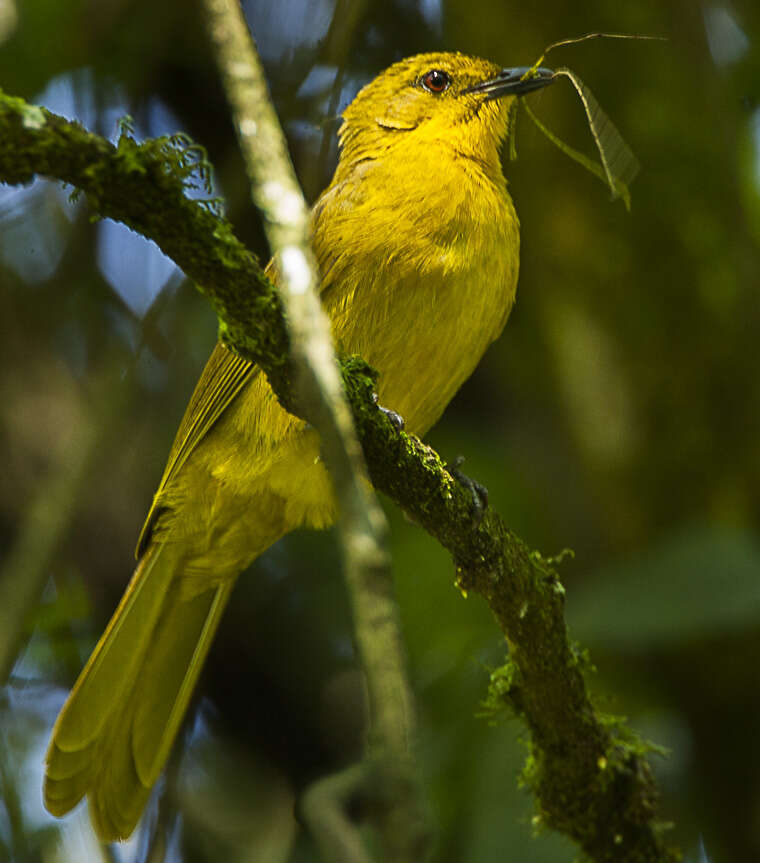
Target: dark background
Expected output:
[618,415]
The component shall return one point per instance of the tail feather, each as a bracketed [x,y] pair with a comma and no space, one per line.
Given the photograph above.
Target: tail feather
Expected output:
[116,797]
[67,765]
[176,661]
[117,656]
[62,795]
[116,730]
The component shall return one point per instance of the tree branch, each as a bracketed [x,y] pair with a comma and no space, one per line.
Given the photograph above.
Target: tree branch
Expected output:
[590,777]
[320,397]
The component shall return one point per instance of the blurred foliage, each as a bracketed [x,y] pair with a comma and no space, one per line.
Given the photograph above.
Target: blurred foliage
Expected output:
[619,414]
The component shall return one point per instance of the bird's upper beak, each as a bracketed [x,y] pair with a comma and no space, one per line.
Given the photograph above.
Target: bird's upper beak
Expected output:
[512,82]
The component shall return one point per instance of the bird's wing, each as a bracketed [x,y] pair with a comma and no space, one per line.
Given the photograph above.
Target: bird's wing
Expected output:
[223,378]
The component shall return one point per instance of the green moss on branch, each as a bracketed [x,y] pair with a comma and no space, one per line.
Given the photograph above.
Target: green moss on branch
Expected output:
[144,186]
[591,779]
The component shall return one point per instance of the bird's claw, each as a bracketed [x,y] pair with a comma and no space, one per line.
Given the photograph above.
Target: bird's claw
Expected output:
[478,491]
[397,421]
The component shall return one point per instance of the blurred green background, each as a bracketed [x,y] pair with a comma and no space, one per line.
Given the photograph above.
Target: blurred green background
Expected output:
[618,415]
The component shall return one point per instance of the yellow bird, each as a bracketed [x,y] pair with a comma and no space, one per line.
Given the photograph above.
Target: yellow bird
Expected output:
[417,243]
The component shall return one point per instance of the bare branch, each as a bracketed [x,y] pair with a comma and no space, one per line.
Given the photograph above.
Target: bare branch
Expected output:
[319,390]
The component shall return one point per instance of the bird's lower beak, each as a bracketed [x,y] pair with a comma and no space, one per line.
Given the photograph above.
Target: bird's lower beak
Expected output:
[514,82]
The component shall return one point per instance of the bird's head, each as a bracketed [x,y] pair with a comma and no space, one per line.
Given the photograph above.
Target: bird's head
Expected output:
[436,98]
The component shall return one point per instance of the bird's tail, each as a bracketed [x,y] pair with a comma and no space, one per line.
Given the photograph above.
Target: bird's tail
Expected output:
[117,727]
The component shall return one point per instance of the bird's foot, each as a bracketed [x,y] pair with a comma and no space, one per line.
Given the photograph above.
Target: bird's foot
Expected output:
[478,491]
[397,421]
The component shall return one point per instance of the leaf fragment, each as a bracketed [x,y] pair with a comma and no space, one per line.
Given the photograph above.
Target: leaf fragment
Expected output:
[618,163]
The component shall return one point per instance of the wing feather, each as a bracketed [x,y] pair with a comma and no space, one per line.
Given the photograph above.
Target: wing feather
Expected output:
[223,378]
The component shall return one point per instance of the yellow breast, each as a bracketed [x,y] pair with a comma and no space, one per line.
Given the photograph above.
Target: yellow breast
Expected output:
[419,273]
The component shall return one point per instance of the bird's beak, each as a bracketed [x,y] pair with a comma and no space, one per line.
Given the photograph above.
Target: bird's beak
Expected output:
[513,82]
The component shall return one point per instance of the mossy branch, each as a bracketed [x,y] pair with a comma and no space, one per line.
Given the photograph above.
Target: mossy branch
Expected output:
[143,186]
[320,396]
[591,779]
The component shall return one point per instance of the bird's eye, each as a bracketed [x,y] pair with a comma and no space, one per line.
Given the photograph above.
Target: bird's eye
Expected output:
[436,80]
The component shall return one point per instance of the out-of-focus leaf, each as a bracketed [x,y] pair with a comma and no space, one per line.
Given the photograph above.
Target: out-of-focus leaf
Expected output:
[702,582]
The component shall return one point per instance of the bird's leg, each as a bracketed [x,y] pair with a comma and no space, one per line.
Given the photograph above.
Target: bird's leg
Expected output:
[478,491]
[397,421]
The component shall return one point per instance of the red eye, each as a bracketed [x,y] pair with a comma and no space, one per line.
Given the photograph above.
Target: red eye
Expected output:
[436,80]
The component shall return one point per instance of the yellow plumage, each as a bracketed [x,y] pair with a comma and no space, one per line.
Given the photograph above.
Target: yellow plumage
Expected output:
[417,243]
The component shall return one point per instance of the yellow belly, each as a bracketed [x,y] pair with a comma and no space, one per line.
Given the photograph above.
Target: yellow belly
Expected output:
[425,335]
[422,318]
